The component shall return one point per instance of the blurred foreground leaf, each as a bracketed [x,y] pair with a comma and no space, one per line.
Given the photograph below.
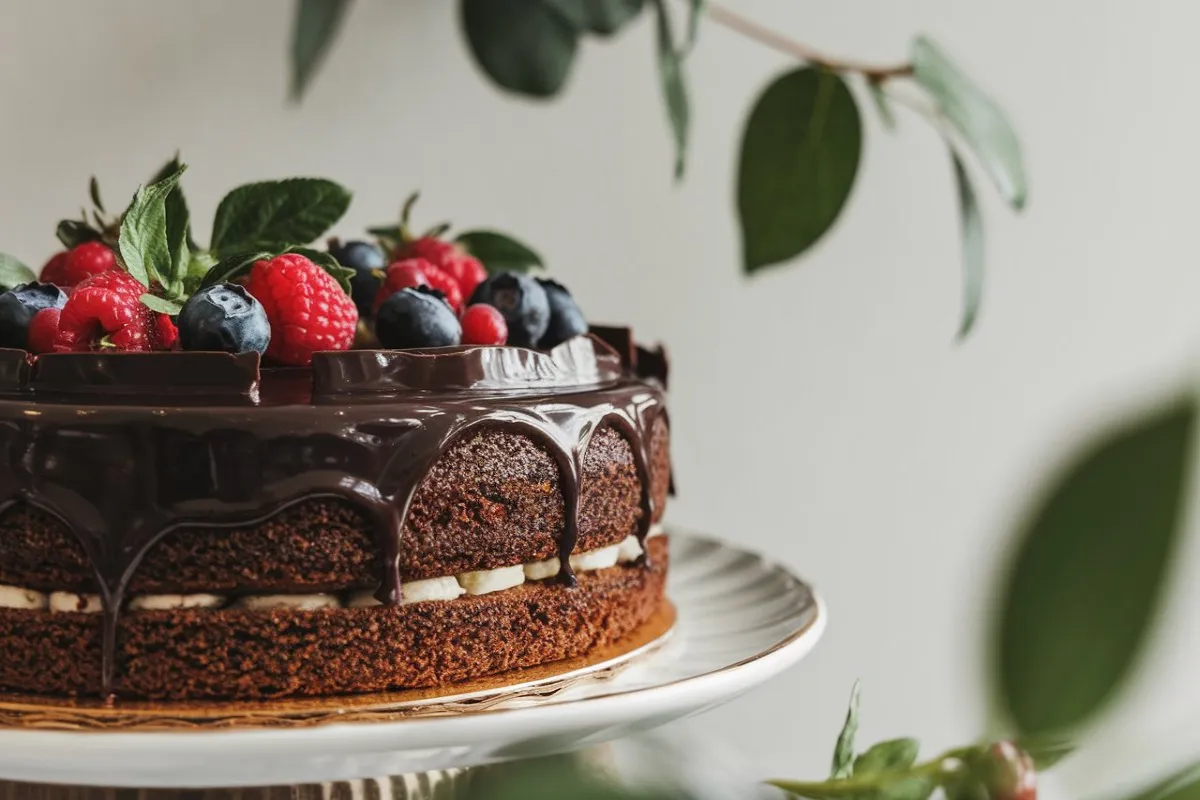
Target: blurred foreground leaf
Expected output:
[314,28]
[524,46]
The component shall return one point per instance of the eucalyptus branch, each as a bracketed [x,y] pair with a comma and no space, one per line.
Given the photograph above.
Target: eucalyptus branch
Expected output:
[876,73]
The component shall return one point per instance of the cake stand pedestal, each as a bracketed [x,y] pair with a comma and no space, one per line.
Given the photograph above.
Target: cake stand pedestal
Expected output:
[739,621]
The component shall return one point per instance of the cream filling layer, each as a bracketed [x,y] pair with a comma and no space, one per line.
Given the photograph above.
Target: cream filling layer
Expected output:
[449,587]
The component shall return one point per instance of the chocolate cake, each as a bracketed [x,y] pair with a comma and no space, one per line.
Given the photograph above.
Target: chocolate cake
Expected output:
[197,525]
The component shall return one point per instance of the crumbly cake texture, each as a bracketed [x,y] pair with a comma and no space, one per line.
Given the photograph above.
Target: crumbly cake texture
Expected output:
[216,654]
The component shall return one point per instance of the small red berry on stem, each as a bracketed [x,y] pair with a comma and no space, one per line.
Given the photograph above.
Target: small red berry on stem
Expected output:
[483,324]
[55,270]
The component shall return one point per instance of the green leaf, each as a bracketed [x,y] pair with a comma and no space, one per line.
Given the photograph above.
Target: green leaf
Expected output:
[144,243]
[275,214]
[1184,785]
[315,26]
[799,156]
[161,304]
[971,221]
[693,28]
[603,17]
[499,252]
[889,756]
[882,105]
[524,46]
[843,752]
[198,266]
[73,232]
[230,267]
[670,74]
[14,272]
[94,191]
[1082,592]
[981,123]
[328,263]
[177,207]
[907,787]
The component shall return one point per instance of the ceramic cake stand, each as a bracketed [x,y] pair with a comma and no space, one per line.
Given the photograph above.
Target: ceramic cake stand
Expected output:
[736,621]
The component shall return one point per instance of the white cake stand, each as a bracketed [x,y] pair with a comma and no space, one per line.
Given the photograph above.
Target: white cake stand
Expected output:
[741,620]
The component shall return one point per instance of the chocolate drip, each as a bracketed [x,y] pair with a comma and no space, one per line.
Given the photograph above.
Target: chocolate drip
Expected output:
[123,474]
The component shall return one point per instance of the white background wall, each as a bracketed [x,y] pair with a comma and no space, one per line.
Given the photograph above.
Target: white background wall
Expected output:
[822,412]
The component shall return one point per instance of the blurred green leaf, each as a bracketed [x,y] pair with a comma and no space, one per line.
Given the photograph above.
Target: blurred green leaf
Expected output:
[1184,785]
[13,272]
[73,232]
[894,754]
[603,17]
[1088,575]
[977,118]
[971,222]
[554,778]
[882,105]
[524,46]
[799,156]
[499,252]
[693,27]
[314,28]
[94,191]
[670,74]
[843,752]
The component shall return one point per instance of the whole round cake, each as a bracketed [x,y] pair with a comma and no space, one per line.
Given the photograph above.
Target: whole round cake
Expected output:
[258,470]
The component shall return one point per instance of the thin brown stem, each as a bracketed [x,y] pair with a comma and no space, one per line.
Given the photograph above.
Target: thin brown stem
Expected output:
[752,30]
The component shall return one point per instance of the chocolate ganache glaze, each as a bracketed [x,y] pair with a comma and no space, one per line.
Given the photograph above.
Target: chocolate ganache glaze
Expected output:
[124,448]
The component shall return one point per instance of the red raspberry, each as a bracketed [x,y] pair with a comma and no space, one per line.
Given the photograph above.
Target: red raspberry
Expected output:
[468,271]
[306,307]
[448,256]
[105,306]
[402,275]
[55,270]
[483,324]
[85,260]
[165,335]
[43,329]
[435,251]
[442,281]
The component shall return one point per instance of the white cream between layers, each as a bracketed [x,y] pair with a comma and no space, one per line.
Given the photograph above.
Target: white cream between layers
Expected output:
[172,602]
[446,588]
[61,602]
[294,602]
[16,597]
[627,550]
[486,581]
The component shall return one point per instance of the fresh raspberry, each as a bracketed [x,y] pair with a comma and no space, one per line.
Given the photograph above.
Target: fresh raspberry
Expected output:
[55,270]
[165,335]
[306,307]
[43,329]
[85,260]
[402,275]
[442,281]
[468,271]
[435,251]
[105,310]
[483,324]
[448,256]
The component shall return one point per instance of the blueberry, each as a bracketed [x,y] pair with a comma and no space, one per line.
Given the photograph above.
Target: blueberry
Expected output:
[417,316]
[367,260]
[18,306]
[224,317]
[566,320]
[523,303]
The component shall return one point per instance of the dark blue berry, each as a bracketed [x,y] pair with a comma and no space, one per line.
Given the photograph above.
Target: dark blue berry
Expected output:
[18,306]
[224,317]
[417,317]
[566,320]
[367,261]
[523,303]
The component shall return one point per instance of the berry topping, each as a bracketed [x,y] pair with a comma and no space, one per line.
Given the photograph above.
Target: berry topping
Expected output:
[224,317]
[19,305]
[55,270]
[106,311]
[523,303]
[307,309]
[367,261]
[468,271]
[417,317]
[566,320]
[483,324]
[80,263]
[402,275]
[442,281]
[43,330]
[464,268]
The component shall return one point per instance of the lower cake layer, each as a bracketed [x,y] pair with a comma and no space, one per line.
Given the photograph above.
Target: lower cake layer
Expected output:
[251,654]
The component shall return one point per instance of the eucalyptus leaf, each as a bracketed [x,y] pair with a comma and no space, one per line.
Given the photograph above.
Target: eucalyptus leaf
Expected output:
[799,157]
[670,74]
[1082,592]
[13,272]
[977,118]
[144,243]
[275,214]
[883,105]
[327,262]
[889,756]
[603,17]
[971,222]
[524,46]
[499,252]
[315,26]
[73,232]
[843,752]
[161,304]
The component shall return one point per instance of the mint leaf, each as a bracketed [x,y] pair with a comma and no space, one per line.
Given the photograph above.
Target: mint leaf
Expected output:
[328,263]
[274,214]
[231,267]
[144,243]
[314,29]
[73,232]
[161,304]
[890,756]
[499,252]
[13,272]
[843,753]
